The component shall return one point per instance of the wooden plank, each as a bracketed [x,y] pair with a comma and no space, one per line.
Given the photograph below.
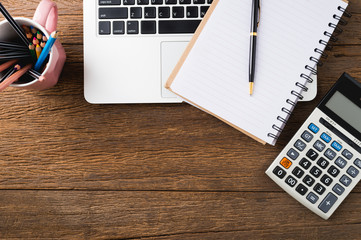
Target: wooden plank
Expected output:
[173,215]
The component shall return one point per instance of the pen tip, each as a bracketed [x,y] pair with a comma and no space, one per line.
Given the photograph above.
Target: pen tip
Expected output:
[250,88]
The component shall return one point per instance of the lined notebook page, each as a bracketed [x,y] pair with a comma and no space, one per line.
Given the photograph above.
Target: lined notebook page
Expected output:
[214,76]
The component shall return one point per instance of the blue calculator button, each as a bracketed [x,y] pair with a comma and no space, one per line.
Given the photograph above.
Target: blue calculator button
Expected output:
[313,128]
[336,146]
[326,138]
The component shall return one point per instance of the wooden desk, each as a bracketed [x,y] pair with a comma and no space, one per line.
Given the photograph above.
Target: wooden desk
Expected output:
[69,169]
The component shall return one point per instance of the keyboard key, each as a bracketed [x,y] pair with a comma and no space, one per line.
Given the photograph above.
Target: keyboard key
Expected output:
[301,189]
[346,181]
[305,163]
[312,154]
[150,12]
[309,180]
[347,154]
[353,172]
[128,2]
[315,171]
[170,1]
[333,171]
[199,1]
[319,189]
[104,28]
[307,136]
[156,2]
[132,27]
[326,138]
[204,10]
[300,145]
[208,1]
[338,189]
[185,1]
[291,181]
[341,162]
[286,163]
[109,2]
[313,128]
[330,154]
[164,12]
[178,12]
[142,2]
[178,26]
[118,27]
[323,163]
[135,12]
[313,198]
[336,146]
[192,12]
[298,172]
[320,146]
[279,172]
[326,180]
[357,162]
[293,154]
[327,203]
[148,27]
[113,13]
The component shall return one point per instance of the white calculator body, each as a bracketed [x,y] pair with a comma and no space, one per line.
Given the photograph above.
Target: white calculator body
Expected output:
[322,163]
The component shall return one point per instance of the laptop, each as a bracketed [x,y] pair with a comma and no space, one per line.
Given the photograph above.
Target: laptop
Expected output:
[132,46]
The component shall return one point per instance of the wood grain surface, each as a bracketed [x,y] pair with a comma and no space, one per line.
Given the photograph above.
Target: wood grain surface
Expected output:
[69,169]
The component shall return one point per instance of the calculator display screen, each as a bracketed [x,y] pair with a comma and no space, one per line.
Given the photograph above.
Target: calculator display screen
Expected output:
[345,109]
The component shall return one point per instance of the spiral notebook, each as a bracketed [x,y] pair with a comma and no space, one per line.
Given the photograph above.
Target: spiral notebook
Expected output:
[212,74]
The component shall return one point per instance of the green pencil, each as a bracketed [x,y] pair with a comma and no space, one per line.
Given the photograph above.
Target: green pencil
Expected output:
[32,51]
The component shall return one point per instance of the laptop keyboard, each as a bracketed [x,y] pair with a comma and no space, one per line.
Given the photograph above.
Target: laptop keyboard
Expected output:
[150,17]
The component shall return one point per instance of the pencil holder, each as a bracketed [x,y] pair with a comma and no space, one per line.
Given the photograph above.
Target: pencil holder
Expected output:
[45,20]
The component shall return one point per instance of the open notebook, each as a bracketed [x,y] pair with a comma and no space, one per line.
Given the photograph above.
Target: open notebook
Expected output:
[213,71]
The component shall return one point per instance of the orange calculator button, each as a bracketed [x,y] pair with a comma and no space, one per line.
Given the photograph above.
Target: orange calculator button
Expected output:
[286,163]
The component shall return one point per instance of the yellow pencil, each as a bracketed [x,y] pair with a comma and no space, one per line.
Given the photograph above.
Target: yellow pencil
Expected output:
[38,51]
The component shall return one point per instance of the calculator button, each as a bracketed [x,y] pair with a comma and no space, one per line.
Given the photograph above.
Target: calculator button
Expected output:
[323,163]
[341,162]
[286,163]
[301,189]
[330,154]
[320,146]
[309,180]
[327,203]
[298,172]
[346,181]
[293,154]
[347,154]
[312,197]
[319,189]
[357,162]
[338,189]
[312,154]
[316,172]
[307,136]
[305,163]
[300,145]
[336,146]
[326,180]
[279,172]
[326,138]
[353,172]
[313,128]
[291,181]
[333,171]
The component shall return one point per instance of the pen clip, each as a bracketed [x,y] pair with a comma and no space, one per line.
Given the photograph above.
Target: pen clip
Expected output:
[259,13]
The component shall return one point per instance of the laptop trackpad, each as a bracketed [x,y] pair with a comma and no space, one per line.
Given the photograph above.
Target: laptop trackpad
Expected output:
[170,55]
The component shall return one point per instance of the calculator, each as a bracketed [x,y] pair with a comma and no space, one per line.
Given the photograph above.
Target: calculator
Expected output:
[321,164]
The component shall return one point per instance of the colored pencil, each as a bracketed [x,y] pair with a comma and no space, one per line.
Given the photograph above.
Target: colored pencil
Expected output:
[14,25]
[7,74]
[49,44]
[8,64]
[8,45]
[6,58]
[14,77]
[39,36]
[26,28]
[38,51]
[45,38]
[29,36]
[35,41]
[33,30]
[42,44]
[32,52]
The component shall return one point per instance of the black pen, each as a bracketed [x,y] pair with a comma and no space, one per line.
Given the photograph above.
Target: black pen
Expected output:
[253,44]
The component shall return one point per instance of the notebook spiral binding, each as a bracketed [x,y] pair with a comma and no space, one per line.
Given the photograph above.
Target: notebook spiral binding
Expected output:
[336,30]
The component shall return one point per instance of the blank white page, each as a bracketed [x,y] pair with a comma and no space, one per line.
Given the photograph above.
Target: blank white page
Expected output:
[214,75]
